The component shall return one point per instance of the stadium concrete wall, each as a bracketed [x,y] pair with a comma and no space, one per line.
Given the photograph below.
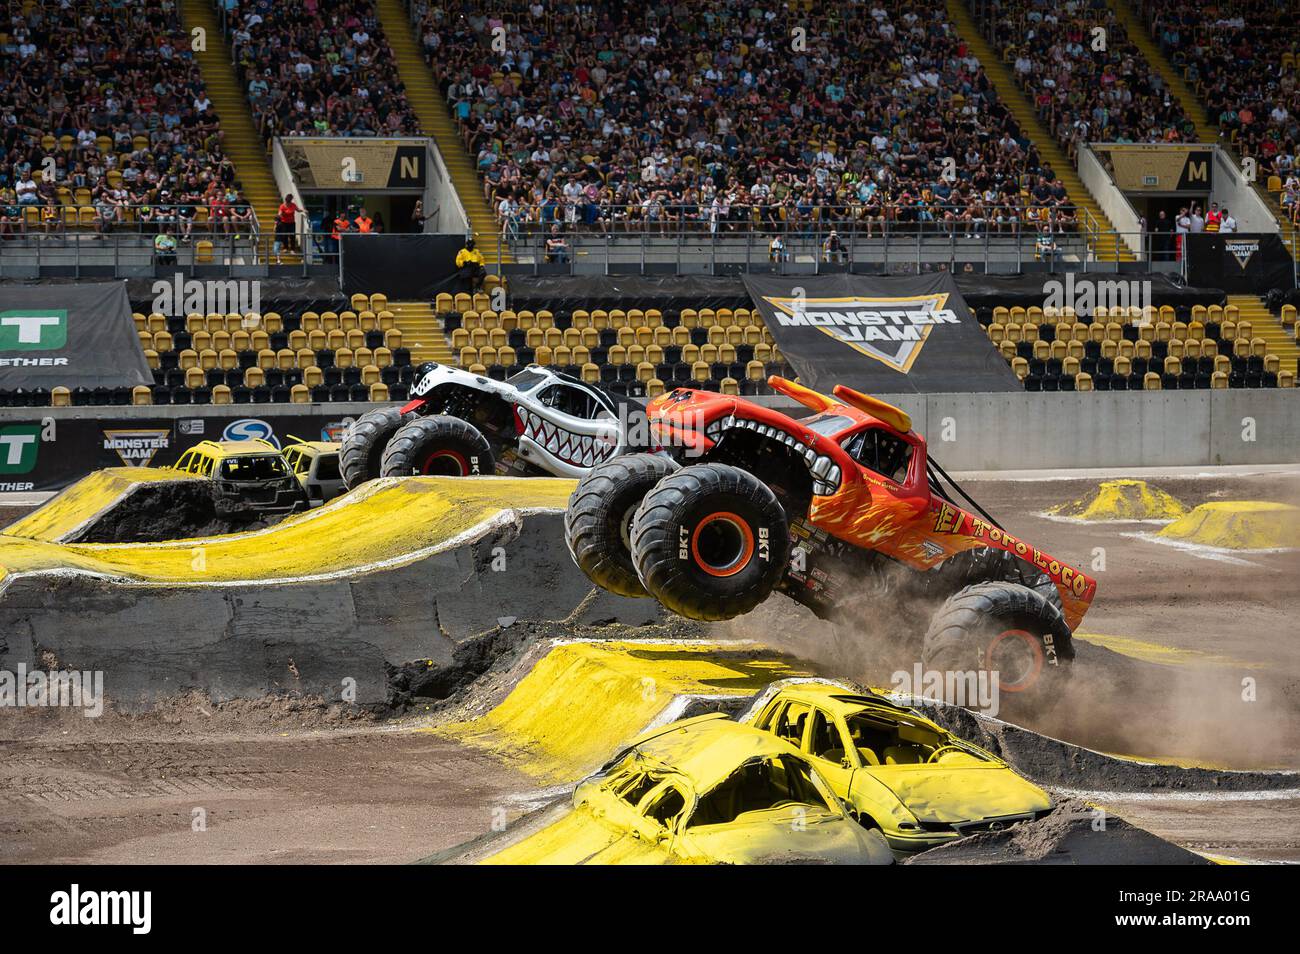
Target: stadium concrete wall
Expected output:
[1007,431]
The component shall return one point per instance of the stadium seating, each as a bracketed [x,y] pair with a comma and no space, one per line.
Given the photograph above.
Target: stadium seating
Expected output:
[879,116]
[108,124]
[314,69]
[1083,92]
[630,350]
[1131,349]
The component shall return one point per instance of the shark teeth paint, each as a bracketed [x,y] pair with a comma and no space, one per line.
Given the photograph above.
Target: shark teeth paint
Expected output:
[826,475]
[578,450]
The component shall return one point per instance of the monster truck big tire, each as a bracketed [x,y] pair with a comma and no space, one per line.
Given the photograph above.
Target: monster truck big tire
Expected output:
[992,565]
[437,445]
[598,519]
[710,541]
[1005,628]
[363,445]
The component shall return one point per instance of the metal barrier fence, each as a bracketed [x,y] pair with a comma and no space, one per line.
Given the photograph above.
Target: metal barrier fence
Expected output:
[587,250]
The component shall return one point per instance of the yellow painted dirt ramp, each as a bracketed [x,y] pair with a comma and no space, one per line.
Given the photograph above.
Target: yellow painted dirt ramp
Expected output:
[582,701]
[385,523]
[1238,525]
[1123,500]
[89,497]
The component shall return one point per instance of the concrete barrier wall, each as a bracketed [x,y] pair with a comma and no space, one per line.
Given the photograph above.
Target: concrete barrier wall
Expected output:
[1016,431]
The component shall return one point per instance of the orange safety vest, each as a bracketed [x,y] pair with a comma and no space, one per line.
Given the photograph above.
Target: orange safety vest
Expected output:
[340,225]
[1212,221]
[364,225]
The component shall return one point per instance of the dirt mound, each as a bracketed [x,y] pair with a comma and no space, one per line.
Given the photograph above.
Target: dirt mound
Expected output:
[1052,762]
[359,635]
[1122,500]
[1073,834]
[1238,525]
[178,510]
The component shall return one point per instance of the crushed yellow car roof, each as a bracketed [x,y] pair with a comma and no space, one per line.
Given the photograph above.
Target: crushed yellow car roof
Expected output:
[707,749]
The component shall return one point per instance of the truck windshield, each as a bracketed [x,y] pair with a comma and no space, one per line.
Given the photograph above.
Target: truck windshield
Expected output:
[827,424]
[264,467]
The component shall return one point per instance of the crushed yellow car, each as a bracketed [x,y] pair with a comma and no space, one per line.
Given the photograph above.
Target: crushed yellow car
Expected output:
[316,466]
[896,770]
[707,790]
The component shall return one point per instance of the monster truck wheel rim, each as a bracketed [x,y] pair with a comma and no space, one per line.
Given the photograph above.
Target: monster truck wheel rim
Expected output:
[722,544]
[445,463]
[1017,656]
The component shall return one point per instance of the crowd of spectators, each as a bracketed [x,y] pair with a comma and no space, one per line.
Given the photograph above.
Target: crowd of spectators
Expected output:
[1087,79]
[103,111]
[724,115]
[313,68]
[1240,57]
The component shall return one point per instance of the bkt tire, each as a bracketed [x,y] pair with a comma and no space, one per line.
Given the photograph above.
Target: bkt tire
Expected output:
[710,541]
[1005,628]
[363,445]
[437,445]
[598,519]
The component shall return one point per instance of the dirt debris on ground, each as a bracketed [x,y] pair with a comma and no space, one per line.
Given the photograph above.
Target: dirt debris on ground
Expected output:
[1073,833]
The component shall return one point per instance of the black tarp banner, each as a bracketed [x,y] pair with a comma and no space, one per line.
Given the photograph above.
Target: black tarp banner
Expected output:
[1239,263]
[47,453]
[881,334]
[73,336]
[403,267]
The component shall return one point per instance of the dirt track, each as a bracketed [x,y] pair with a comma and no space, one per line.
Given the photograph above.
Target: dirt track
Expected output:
[280,783]
[132,794]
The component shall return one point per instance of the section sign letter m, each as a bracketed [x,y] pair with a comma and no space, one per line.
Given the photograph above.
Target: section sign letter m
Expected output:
[33,329]
[18,446]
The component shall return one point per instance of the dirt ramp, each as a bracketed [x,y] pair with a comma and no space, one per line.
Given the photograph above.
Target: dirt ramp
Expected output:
[1070,835]
[1058,764]
[328,604]
[1238,525]
[577,702]
[68,515]
[1123,500]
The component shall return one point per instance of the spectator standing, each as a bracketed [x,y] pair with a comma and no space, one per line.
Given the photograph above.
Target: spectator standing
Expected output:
[472,267]
[286,221]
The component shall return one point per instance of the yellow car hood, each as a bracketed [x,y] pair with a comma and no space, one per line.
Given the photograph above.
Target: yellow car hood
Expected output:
[969,793]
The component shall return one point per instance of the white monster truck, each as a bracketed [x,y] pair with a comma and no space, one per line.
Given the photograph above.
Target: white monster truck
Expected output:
[536,422]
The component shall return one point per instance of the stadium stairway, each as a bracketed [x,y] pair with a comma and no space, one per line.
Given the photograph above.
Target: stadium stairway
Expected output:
[1107,247]
[436,121]
[1264,324]
[1141,37]
[422,332]
[242,142]
[1206,129]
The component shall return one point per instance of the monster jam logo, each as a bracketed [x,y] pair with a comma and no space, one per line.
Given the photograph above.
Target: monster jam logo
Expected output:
[137,448]
[889,330]
[1243,250]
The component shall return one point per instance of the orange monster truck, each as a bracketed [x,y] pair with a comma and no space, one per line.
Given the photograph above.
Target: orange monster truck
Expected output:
[844,512]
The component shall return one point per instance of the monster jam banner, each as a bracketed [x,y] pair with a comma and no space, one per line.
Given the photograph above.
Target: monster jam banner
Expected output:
[73,336]
[404,267]
[50,452]
[880,334]
[1240,263]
